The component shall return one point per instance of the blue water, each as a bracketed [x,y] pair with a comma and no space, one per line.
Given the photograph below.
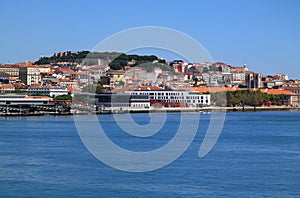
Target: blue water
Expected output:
[257,155]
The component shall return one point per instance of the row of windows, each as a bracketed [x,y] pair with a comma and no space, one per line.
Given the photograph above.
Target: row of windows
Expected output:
[159,94]
[139,105]
[194,97]
[186,101]
[179,97]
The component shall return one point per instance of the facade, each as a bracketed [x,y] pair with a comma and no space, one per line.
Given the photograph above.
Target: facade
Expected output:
[57,91]
[51,91]
[22,99]
[12,71]
[146,99]
[117,77]
[253,80]
[296,91]
[67,83]
[4,78]
[30,75]
[238,76]
[184,98]
[139,101]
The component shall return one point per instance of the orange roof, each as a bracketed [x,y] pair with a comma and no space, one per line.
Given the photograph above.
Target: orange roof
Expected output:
[40,86]
[70,89]
[45,97]
[152,88]
[6,86]
[212,89]
[276,91]
[115,71]
[81,73]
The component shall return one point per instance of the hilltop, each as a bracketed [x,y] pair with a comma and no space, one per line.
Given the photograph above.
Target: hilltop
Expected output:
[115,60]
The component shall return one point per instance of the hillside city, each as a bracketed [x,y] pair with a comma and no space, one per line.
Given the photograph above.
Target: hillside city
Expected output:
[92,81]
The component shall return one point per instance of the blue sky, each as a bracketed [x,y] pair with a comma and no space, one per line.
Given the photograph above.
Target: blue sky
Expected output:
[264,34]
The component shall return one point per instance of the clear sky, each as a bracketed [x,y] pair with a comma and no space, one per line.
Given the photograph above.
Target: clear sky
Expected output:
[264,34]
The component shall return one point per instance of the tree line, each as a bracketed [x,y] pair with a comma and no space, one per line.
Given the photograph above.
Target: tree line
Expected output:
[246,97]
[115,60]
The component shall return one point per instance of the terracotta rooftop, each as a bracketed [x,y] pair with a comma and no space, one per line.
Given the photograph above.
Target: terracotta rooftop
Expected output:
[45,97]
[152,88]
[6,86]
[212,89]
[276,91]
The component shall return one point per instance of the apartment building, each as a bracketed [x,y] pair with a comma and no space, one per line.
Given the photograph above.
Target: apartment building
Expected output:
[30,75]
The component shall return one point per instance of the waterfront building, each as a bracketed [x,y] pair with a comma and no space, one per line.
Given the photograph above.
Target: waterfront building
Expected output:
[148,98]
[47,90]
[290,97]
[140,101]
[23,100]
[175,98]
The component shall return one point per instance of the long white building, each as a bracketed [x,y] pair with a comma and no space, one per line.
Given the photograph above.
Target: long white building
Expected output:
[191,99]
[51,91]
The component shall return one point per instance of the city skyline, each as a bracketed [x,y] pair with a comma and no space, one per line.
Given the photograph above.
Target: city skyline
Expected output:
[263,35]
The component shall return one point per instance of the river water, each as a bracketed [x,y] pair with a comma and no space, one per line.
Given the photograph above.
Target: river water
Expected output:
[256,155]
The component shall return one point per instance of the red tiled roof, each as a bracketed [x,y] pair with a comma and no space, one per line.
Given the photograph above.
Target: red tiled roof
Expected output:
[80,73]
[6,86]
[212,89]
[70,88]
[276,91]
[45,97]
[152,88]
[40,86]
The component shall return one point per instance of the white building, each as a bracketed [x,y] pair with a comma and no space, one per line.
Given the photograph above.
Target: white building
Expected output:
[51,91]
[191,99]
[22,99]
[139,101]
[30,75]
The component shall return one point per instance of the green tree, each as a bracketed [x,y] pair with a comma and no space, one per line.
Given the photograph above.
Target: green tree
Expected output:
[63,97]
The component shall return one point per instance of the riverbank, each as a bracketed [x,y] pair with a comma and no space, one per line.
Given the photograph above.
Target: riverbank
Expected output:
[159,110]
[214,108]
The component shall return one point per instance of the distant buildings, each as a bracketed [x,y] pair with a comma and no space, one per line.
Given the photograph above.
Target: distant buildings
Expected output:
[162,81]
[6,88]
[11,70]
[30,75]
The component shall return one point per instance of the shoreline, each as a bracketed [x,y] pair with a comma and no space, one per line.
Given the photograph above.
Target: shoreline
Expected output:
[159,110]
[221,109]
